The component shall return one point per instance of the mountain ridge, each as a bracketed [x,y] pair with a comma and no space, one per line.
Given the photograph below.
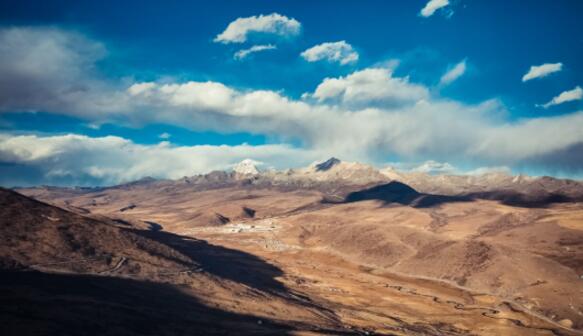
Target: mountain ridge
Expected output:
[337,177]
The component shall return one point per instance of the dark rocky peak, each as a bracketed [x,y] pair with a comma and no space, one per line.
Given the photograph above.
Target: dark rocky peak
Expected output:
[327,165]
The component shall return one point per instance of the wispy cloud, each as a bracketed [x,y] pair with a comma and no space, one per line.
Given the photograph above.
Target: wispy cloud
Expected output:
[276,24]
[243,53]
[165,135]
[434,167]
[432,6]
[543,70]
[340,52]
[454,73]
[565,96]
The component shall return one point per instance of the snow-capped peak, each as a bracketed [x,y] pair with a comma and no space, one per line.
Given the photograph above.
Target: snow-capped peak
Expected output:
[246,167]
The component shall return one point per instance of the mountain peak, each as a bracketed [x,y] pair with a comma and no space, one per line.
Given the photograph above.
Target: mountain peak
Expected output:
[326,165]
[246,167]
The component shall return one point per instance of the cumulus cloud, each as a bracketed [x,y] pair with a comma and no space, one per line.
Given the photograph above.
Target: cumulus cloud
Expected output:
[371,114]
[238,31]
[368,115]
[432,6]
[192,100]
[202,95]
[565,96]
[164,135]
[454,73]
[50,69]
[80,160]
[241,54]
[372,86]
[543,70]
[340,52]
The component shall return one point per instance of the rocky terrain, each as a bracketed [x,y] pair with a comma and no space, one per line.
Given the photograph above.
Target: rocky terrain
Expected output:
[334,248]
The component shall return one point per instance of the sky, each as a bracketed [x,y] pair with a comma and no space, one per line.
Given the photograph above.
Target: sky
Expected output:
[106,92]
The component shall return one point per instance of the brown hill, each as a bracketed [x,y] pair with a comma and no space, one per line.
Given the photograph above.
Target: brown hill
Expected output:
[38,236]
[66,274]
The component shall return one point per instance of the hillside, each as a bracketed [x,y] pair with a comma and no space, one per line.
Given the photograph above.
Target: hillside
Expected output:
[326,241]
[62,273]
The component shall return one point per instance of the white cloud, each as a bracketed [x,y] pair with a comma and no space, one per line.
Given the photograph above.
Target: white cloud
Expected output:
[340,52]
[490,170]
[141,89]
[565,96]
[80,160]
[367,115]
[540,71]
[276,24]
[372,86]
[434,167]
[201,99]
[165,135]
[241,54]
[531,138]
[454,73]
[203,95]
[432,6]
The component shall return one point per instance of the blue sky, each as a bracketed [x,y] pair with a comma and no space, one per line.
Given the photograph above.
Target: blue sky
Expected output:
[68,70]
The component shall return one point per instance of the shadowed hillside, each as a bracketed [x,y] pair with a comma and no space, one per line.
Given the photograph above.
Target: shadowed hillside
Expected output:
[62,273]
[400,193]
[36,303]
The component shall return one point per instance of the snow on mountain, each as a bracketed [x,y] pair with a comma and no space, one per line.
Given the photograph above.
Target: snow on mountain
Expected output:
[247,167]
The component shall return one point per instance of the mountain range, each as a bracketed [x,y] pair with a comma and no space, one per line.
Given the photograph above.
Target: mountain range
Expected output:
[338,178]
[337,248]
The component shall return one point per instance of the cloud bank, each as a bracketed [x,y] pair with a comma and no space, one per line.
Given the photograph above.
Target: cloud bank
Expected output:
[369,115]
[339,52]
[52,69]
[276,24]
[80,160]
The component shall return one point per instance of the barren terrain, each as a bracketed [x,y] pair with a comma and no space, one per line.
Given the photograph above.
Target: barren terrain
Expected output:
[323,259]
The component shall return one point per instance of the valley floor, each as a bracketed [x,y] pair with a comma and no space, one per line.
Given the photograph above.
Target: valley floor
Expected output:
[376,301]
[286,263]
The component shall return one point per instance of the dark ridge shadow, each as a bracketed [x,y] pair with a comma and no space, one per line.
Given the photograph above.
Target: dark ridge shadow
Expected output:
[248,212]
[517,199]
[221,220]
[121,222]
[35,303]
[396,192]
[223,262]
[128,207]
[237,266]
[153,226]
[400,193]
